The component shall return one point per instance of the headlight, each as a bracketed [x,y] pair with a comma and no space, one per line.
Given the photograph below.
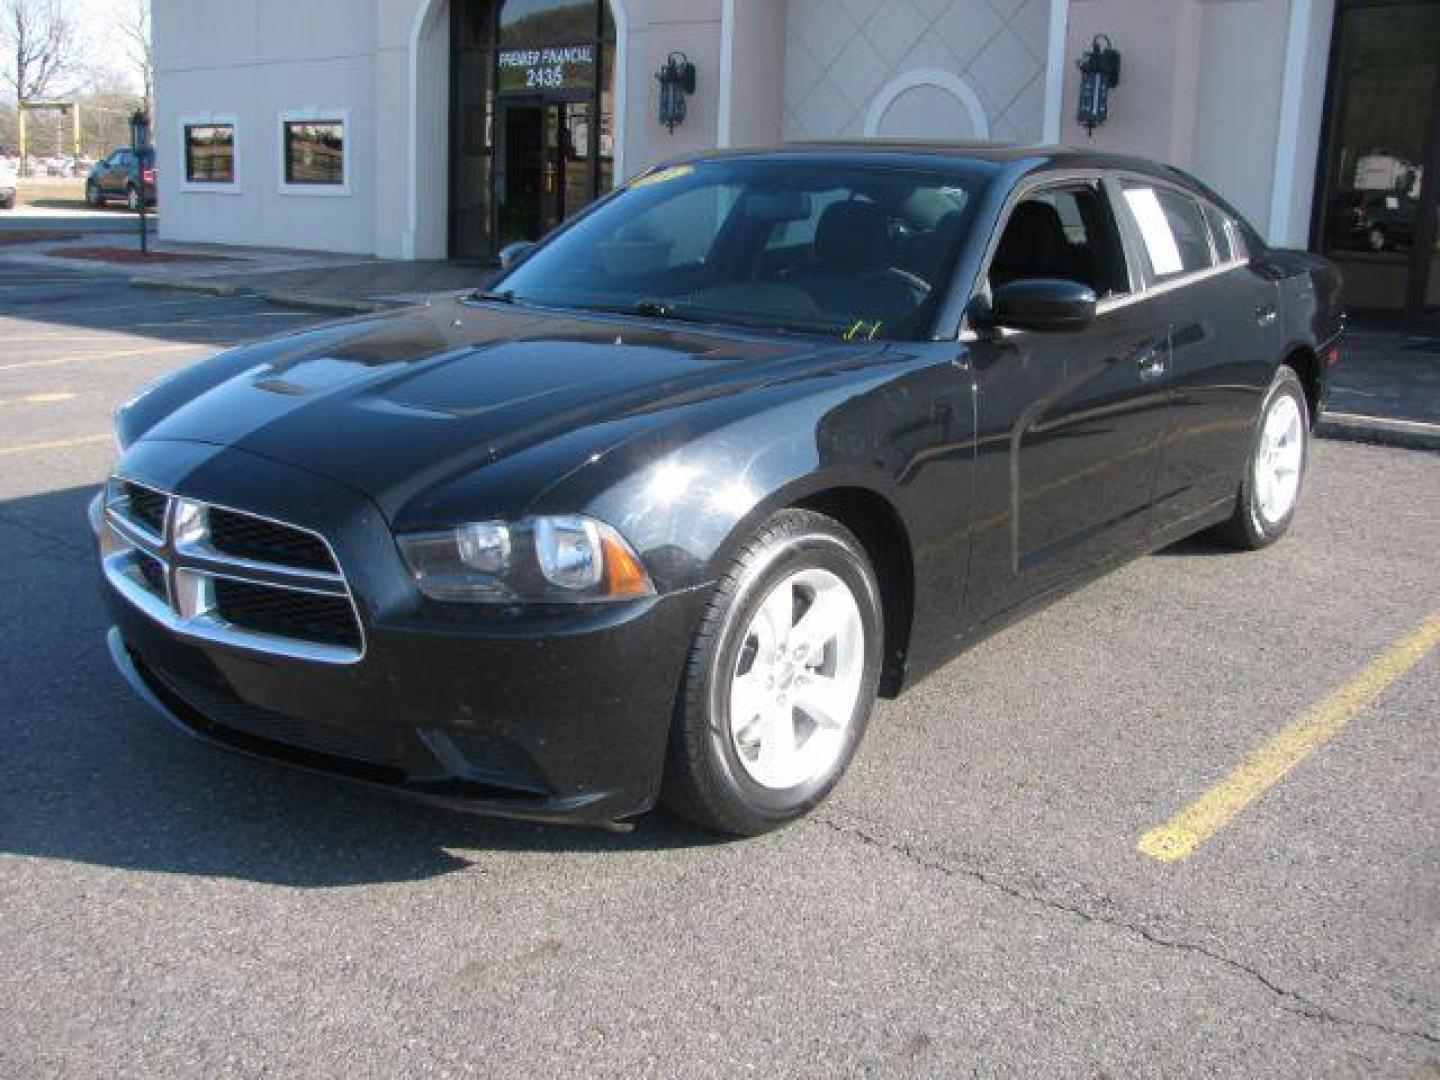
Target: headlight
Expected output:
[544,560]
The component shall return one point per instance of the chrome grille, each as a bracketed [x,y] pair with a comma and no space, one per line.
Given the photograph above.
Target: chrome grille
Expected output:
[218,574]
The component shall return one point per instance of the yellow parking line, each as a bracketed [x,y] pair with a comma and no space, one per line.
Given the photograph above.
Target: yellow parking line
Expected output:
[1212,811]
[54,444]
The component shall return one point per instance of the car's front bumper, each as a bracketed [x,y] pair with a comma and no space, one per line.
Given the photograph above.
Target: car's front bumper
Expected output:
[558,714]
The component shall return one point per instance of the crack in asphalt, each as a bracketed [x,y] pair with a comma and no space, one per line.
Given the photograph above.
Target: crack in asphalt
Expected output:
[1291,1001]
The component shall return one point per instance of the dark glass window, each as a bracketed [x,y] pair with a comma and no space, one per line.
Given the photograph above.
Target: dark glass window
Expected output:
[529,23]
[1172,227]
[836,250]
[210,153]
[314,152]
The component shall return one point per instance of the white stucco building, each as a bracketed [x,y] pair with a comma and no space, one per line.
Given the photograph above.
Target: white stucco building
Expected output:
[443,128]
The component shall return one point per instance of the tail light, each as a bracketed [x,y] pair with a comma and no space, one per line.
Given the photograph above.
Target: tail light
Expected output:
[147,175]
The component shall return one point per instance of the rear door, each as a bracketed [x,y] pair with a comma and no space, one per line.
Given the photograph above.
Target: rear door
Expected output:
[1070,423]
[1223,343]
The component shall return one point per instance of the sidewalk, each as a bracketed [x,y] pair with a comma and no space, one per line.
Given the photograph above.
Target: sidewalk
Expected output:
[345,284]
[1386,388]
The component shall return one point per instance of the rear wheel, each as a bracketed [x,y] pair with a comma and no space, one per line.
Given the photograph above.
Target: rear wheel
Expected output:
[132,199]
[1270,489]
[781,679]
[7,203]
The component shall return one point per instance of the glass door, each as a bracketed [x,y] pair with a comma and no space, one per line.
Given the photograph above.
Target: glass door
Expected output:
[1376,211]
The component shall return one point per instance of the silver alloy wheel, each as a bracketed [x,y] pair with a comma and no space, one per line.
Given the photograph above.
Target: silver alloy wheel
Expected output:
[797,680]
[1278,459]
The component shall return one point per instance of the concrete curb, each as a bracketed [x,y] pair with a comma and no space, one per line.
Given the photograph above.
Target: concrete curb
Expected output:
[210,288]
[332,305]
[336,305]
[1378,430]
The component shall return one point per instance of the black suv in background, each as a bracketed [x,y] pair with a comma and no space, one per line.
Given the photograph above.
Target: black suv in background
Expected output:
[122,175]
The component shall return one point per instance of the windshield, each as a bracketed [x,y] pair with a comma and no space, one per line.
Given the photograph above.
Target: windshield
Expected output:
[852,251]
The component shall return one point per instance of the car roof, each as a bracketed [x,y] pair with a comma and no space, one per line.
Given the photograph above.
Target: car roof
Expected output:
[914,151]
[1015,159]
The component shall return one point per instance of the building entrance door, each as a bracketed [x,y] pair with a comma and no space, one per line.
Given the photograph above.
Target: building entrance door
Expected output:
[1376,214]
[543,174]
[532,120]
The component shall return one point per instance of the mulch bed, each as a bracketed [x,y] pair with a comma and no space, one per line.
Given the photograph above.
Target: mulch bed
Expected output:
[35,236]
[131,255]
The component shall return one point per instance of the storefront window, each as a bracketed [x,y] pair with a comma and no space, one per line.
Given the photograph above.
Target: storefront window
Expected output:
[534,23]
[314,152]
[210,153]
[1376,210]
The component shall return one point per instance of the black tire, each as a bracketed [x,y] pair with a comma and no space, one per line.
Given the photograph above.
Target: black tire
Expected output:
[93,197]
[705,779]
[1248,528]
[8,203]
[1376,239]
[132,199]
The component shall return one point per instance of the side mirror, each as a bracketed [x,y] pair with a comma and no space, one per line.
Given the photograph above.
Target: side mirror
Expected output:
[512,255]
[1043,304]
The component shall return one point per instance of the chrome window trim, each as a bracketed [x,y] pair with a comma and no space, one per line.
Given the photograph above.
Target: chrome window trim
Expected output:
[197,564]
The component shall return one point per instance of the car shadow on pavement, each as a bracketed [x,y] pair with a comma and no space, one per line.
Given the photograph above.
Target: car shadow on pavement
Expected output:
[90,774]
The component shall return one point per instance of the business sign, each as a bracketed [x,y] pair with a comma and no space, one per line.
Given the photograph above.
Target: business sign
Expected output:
[566,67]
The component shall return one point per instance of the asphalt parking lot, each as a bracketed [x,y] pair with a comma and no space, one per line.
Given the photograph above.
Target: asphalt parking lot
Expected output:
[978,898]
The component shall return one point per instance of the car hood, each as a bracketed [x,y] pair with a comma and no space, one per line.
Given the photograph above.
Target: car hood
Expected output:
[395,405]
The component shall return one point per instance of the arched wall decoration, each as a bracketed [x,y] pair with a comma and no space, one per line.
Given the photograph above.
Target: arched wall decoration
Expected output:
[954,85]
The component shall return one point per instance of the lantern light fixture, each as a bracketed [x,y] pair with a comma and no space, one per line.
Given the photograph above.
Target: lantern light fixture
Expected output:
[1099,74]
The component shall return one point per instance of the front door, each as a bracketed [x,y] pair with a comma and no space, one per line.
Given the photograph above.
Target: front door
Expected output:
[544,173]
[1070,423]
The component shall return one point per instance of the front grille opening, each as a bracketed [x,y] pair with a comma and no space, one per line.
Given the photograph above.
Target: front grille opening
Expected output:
[259,540]
[145,506]
[151,571]
[287,613]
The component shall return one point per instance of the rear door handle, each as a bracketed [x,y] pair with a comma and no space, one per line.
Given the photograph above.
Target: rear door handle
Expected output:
[1266,314]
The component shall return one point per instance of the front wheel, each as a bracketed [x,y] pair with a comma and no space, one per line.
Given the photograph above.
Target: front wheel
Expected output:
[1270,488]
[92,195]
[781,679]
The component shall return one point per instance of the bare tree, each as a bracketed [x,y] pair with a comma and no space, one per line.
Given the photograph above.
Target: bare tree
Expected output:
[43,46]
[133,22]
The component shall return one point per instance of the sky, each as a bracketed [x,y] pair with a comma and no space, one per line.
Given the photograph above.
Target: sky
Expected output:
[95,19]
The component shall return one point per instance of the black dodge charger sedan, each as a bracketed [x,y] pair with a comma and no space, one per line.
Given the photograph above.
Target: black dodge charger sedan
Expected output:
[758,437]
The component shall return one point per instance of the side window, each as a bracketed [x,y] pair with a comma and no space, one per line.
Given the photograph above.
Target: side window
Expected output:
[1063,232]
[1172,227]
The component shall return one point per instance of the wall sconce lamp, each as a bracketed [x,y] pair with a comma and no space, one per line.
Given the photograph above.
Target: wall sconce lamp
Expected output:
[677,78]
[1099,74]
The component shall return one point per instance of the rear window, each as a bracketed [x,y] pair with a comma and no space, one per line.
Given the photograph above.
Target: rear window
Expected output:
[1172,230]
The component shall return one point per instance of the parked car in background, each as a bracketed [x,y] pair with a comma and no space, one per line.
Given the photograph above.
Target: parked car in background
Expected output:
[123,175]
[8,182]
[1378,220]
[660,513]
